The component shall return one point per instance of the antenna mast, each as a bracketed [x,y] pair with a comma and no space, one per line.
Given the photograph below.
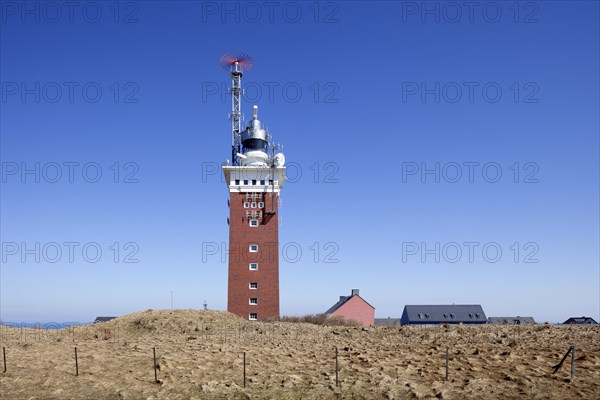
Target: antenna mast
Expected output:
[236,63]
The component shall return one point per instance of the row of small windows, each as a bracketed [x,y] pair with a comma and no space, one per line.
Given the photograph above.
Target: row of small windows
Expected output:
[253,248]
[253,182]
[253,316]
[253,223]
[253,301]
[447,315]
[260,204]
[253,266]
[253,285]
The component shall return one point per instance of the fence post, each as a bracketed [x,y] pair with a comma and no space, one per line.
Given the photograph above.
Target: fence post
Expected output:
[573,364]
[337,381]
[76,363]
[446,363]
[155,371]
[244,369]
[4,357]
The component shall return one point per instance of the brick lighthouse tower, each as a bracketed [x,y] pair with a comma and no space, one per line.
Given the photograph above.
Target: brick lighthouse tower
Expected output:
[254,180]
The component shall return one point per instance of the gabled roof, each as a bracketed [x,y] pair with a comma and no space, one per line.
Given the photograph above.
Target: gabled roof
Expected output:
[343,300]
[103,319]
[439,314]
[511,320]
[581,320]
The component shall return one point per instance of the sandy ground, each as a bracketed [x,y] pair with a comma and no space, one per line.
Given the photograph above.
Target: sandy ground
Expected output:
[200,356]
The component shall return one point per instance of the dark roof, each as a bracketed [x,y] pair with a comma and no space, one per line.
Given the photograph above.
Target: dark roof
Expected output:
[511,320]
[343,300]
[443,314]
[387,321]
[103,319]
[581,321]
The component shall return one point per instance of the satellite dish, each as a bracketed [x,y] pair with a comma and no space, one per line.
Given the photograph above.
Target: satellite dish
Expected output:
[279,160]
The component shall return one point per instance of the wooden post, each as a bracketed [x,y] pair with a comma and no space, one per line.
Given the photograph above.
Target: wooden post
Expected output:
[446,363]
[573,364]
[155,371]
[4,357]
[337,381]
[244,369]
[76,363]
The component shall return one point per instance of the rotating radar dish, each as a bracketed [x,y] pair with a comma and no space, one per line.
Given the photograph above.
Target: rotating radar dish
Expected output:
[243,60]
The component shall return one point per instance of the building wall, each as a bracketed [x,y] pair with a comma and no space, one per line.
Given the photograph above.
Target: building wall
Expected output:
[357,309]
[387,322]
[241,235]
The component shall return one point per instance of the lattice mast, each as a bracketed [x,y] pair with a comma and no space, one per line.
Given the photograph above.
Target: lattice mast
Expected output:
[236,63]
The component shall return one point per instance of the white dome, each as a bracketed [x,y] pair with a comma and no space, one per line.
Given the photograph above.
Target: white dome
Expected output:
[279,160]
[255,158]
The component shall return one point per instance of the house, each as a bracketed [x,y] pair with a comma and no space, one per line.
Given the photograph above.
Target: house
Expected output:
[443,314]
[387,322]
[580,321]
[511,320]
[353,307]
[103,319]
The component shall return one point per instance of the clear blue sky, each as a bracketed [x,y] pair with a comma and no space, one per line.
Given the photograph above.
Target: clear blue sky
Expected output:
[379,103]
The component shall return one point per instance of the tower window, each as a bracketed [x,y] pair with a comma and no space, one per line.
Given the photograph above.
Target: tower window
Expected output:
[253,285]
[270,181]
[253,300]
[253,223]
[253,205]
[253,266]
[254,182]
[262,182]
[246,204]
[253,316]
[237,181]
[261,204]
[245,181]
[253,248]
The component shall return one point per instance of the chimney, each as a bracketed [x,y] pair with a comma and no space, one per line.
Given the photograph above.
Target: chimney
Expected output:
[354,292]
[342,298]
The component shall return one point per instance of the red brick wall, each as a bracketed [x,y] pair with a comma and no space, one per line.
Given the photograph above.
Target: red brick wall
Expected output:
[357,309]
[241,235]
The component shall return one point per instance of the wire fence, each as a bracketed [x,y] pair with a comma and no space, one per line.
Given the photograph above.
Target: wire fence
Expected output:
[444,360]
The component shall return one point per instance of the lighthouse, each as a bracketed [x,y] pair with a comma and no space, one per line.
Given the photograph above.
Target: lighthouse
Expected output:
[254,179]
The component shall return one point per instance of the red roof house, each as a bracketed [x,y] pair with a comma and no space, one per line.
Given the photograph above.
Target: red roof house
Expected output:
[354,307]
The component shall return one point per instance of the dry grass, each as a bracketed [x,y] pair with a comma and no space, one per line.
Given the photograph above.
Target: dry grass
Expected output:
[318,319]
[200,356]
